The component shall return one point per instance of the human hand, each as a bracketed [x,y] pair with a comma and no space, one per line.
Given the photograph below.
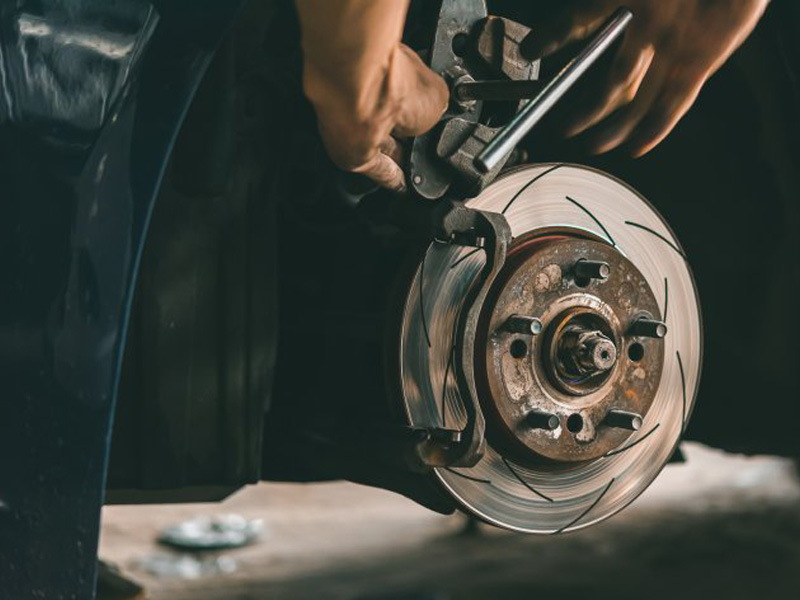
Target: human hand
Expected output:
[366,87]
[669,51]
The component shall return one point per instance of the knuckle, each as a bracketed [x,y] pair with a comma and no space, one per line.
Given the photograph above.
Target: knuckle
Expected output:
[620,93]
[632,74]
[628,93]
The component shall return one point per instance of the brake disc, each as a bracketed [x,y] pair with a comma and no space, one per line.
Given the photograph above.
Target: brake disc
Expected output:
[588,350]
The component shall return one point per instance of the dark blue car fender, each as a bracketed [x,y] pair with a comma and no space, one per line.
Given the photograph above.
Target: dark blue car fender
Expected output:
[93,94]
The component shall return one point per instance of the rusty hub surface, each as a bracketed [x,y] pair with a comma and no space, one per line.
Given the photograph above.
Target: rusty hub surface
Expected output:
[580,388]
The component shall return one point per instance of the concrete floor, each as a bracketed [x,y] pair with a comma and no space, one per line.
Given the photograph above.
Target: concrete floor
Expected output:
[720,526]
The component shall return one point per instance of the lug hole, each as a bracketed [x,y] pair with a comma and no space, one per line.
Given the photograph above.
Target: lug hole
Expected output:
[460,44]
[575,423]
[519,349]
[636,352]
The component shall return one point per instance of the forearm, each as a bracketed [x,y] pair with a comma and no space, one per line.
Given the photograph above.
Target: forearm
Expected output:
[349,49]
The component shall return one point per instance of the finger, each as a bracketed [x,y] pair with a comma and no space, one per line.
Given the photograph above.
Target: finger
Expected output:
[614,130]
[569,25]
[423,95]
[392,149]
[663,117]
[384,171]
[627,73]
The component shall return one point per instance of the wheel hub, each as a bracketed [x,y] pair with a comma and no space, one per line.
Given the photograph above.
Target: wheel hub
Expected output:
[577,369]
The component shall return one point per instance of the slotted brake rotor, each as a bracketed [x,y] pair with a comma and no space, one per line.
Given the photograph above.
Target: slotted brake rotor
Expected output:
[588,350]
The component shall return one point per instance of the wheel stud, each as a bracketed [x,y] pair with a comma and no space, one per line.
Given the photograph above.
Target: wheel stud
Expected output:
[542,420]
[523,324]
[649,328]
[592,269]
[622,419]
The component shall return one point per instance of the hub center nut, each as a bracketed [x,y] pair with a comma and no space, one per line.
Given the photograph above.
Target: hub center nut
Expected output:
[600,353]
[580,352]
[586,353]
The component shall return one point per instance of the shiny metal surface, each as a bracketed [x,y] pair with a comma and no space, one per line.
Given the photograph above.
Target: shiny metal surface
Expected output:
[547,500]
